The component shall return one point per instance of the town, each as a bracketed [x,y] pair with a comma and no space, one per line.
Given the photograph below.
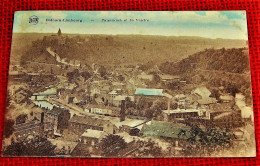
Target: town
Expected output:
[123,110]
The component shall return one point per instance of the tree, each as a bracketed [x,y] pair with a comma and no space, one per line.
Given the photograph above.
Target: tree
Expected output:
[37,146]
[73,74]
[149,113]
[102,70]
[21,118]
[8,128]
[150,149]
[215,93]
[129,103]
[156,78]
[206,141]
[232,89]
[121,78]
[86,75]
[8,98]
[111,145]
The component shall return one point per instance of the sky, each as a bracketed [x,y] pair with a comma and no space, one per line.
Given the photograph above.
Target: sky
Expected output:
[209,24]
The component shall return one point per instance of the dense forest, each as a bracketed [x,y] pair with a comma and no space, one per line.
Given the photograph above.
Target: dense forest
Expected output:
[227,60]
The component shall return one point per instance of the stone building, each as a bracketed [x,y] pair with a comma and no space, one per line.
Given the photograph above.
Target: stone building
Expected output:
[79,124]
[56,120]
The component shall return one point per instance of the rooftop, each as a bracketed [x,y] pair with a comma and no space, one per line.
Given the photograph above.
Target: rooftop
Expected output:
[168,77]
[123,97]
[92,133]
[226,97]
[149,92]
[202,91]
[103,107]
[221,107]
[207,100]
[88,120]
[180,111]
[166,129]
[222,115]
[15,72]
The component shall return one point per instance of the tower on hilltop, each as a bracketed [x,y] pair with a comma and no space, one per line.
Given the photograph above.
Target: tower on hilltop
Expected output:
[59,32]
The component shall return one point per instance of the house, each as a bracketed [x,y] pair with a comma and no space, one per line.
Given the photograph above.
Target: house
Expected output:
[201,97]
[227,119]
[118,85]
[79,124]
[182,101]
[92,137]
[196,79]
[21,95]
[31,128]
[180,114]
[103,110]
[239,134]
[201,92]
[144,76]
[247,112]
[166,78]
[148,92]
[56,120]
[113,94]
[130,126]
[16,76]
[226,98]
[118,99]
[105,89]
[220,115]
[205,101]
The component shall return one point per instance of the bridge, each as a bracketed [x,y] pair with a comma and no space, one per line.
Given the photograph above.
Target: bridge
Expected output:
[48,92]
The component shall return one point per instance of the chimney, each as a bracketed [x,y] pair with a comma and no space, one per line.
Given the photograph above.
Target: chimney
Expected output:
[42,117]
[169,106]
[122,111]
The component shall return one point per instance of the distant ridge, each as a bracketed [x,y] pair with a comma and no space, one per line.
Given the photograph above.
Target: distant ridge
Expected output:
[114,49]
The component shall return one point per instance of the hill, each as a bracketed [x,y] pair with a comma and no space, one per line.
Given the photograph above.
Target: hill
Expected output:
[226,60]
[227,68]
[113,49]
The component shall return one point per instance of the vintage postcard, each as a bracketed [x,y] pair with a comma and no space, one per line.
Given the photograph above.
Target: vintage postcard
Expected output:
[129,84]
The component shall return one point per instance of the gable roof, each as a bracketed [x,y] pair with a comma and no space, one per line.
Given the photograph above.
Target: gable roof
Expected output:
[168,77]
[89,121]
[208,100]
[123,97]
[202,91]
[149,92]
[92,133]
[226,97]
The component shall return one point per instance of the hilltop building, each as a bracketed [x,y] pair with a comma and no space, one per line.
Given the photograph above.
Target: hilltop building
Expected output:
[59,32]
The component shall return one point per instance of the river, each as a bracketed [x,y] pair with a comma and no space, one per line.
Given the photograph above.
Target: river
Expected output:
[41,100]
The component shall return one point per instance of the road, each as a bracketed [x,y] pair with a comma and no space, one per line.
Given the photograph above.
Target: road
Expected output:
[223,72]
[58,59]
[72,108]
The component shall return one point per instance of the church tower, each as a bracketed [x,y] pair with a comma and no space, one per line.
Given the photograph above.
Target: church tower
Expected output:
[59,32]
